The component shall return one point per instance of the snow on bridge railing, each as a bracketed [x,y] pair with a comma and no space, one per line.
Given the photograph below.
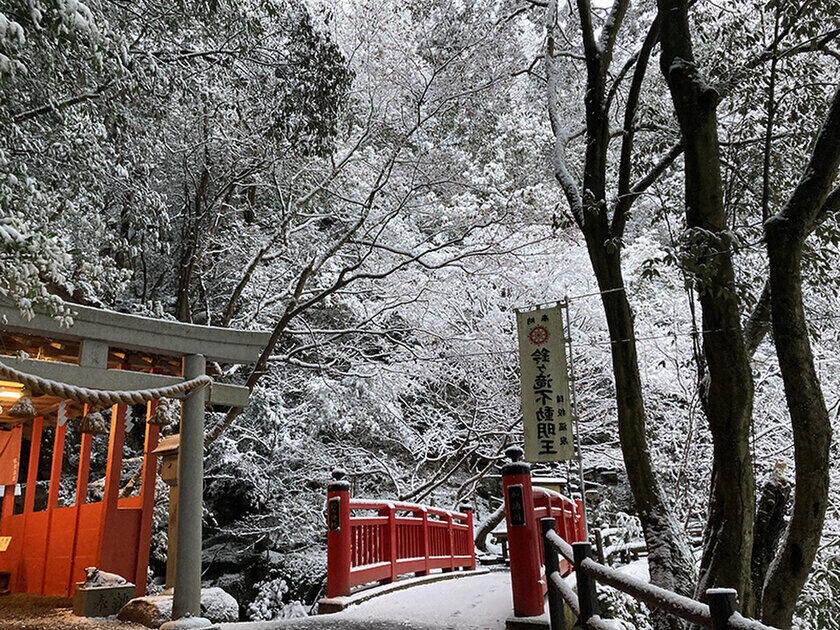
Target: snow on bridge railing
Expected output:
[377,541]
[721,613]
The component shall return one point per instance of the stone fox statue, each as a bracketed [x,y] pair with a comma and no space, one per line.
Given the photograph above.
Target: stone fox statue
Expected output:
[95,578]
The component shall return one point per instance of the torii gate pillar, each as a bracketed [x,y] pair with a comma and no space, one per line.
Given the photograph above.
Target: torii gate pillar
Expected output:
[187,597]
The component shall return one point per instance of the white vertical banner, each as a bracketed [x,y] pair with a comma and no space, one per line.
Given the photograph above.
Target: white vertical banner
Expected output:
[546,404]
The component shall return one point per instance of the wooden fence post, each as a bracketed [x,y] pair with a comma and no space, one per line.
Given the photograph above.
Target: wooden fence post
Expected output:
[585,584]
[722,603]
[556,611]
[599,545]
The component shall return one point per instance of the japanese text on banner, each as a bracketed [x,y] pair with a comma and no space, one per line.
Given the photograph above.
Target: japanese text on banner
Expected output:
[546,407]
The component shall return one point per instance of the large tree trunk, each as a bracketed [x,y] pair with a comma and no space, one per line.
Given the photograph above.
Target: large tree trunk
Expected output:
[785,235]
[729,532]
[671,563]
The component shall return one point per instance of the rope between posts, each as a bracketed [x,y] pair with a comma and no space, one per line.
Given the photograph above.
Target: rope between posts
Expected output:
[101,398]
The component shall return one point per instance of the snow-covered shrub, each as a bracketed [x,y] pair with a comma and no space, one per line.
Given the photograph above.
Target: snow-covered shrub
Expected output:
[817,606]
[269,603]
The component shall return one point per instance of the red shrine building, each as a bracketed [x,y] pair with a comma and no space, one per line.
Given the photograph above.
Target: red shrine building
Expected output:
[55,381]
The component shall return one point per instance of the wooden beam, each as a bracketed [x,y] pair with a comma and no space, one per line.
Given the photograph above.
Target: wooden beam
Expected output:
[132,332]
[99,378]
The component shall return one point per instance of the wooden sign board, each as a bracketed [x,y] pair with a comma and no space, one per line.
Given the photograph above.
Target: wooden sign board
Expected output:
[516,505]
[334,514]
[546,403]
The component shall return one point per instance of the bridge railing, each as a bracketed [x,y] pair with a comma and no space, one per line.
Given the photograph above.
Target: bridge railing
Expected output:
[377,541]
[721,613]
[525,506]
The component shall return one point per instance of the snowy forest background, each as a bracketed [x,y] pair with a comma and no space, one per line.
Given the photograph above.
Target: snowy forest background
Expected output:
[373,181]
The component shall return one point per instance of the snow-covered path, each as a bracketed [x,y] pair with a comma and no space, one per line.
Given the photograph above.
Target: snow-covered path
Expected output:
[482,602]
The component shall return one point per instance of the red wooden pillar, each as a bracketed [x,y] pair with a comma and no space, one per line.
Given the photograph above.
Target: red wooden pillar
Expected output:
[338,536]
[112,488]
[523,536]
[147,500]
[81,499]
[32,472]
[52,498]
[425,533]
[29,580]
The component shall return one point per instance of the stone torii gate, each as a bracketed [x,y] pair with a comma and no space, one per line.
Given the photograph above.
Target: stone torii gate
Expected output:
[128,354]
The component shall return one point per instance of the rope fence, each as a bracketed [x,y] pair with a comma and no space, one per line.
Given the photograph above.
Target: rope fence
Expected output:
[721,613]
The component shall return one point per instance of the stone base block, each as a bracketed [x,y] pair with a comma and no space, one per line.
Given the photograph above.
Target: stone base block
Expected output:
[101,601]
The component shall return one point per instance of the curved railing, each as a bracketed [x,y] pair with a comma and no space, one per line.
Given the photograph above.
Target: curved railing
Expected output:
[567,515]
[377,541]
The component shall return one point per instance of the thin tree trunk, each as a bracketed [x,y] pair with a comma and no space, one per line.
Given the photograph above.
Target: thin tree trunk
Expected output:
[785,235]
[729,531]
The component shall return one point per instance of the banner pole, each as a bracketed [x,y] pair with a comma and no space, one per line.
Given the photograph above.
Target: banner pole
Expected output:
[565,306]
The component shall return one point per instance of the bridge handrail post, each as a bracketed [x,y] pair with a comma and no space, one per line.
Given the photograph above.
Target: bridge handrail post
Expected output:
[722,603]
[338,535]
[468,510]
[523,536]
[585,584]
[556,606]
[393,552]
[427,562]
[450,528]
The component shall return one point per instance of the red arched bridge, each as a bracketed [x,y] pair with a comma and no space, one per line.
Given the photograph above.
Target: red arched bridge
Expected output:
[373,541]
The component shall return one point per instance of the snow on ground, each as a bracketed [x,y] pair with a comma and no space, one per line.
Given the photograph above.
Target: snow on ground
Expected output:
[481,602]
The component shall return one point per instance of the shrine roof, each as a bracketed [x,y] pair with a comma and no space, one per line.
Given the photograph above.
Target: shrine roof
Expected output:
[144,334]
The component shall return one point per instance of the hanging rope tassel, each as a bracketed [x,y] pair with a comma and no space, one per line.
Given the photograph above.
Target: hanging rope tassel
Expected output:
[23,409]
[167,413]
[94,423]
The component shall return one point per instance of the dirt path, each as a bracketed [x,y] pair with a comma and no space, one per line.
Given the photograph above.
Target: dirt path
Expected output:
[20,611]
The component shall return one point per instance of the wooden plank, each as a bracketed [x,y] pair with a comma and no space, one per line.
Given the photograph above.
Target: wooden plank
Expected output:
[133,332]
[32,473]
[81,499]
[112,483]
[147,499]
[98,378]
[52,498]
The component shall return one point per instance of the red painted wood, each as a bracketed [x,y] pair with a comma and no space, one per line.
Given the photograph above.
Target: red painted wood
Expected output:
[147,495]
[53,563]
[388,545]
[76,569]
[339,549]
[523,543]
[109,554]
[32,472]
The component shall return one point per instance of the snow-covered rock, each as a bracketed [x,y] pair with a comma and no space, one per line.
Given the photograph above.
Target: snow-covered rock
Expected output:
[155,610]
